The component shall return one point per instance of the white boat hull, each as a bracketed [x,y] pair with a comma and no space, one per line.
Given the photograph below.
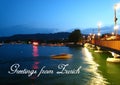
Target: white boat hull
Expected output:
[113,60]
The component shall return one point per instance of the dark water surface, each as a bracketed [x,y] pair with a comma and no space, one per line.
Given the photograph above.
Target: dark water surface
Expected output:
[94,70]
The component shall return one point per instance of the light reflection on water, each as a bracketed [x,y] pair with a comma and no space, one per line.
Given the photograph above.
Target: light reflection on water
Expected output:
[36,62]
[96,79]
[35,55]
[35,51]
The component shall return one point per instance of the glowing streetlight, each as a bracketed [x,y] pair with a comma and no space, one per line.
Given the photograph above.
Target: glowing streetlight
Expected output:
[99,26]
[112,33]
[116,27]
[99,34]
[117,6]
[93,36]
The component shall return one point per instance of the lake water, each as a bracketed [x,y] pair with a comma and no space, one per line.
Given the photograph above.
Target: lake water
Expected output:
[93,68]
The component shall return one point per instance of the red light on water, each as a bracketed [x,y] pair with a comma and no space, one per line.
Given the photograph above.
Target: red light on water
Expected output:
[35,51]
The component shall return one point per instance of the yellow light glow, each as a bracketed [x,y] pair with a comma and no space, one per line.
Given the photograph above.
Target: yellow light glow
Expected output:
[112,33]
[117,6]
[99,24]
[116,27]
[99,34]
[97,79]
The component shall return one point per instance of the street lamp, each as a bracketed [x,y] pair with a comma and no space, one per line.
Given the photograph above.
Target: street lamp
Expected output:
[83,39]
[112,33]
[116,7]
[99,26]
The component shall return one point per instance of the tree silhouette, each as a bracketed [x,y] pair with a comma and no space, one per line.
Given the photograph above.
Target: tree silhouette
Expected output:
[75,36]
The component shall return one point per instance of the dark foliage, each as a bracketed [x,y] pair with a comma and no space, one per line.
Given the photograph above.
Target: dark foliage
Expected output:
[75,36]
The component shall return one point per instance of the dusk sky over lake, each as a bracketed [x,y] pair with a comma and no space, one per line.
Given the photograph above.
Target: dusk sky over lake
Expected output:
[45,16]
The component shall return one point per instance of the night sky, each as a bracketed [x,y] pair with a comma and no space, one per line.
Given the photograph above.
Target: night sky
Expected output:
[49,16]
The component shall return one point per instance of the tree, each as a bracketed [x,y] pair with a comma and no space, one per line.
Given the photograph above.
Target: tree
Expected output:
[75,36]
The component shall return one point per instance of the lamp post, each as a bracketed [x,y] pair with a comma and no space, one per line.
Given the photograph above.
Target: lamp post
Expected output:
[116,29]
[115,19]
[99,26]
[83,39]
[116,7]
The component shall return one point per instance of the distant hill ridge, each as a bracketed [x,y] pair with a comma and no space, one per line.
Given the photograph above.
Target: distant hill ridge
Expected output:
[38,36]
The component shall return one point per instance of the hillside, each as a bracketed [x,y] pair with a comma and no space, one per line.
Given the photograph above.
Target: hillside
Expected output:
[40,37]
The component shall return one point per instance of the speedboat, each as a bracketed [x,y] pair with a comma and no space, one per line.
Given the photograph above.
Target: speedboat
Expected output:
[62,56]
